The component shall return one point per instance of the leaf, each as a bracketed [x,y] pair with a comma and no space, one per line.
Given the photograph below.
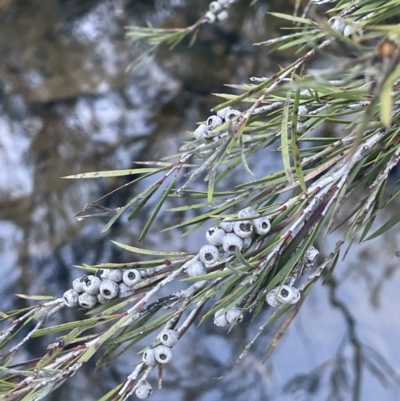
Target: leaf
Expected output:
[157,209]
[387,226]
[291,18]
[148,251]
[111,173]
[285,141]
[36,297]
[386,97]
[295,147]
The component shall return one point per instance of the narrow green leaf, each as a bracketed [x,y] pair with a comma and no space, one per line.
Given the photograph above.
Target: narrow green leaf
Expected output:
[148,251]
[387,226]
[285,141]
[386,97]
[291,18]
[157,209]
[295,147]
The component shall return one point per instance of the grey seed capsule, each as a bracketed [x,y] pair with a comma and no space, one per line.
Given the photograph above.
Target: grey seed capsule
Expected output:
[247,242]
[232,114]
[283,295]
[196,269]
[86,300]
[301,128]
[214,122]
[112,274]
[215,7]
[208,254]
[109,289]
[131,277]
[220,320]
[71,298]
[262,225]
[222,16]
[162,354]
[247,213]
[143,389]
[168,337]
[338,24]
[301,114]
[350,29]
[214,235]
[101,299]
[201,131]
[210,17]
[124,291]
[148,357]
[234,315]
[243,229]
[91,284]
[231,243]
[227,226]
[223,112]
[77,284]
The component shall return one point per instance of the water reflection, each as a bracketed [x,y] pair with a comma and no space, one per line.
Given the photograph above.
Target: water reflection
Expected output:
[67,106]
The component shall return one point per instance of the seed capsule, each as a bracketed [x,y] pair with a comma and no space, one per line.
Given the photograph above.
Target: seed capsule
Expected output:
[301,114]
[143,389]
[131,277]
[222,16]
[234,315]
[227,226]
[231,243]
[223,112]
[77,284]
[196,269]
[220,320]
[71,298]
[201,131]
[148,357]
[283,295]
[232,114]
[124,291]
[101,299]
[214,122]
[208,254]
[262,225]
[210,17]
[247,213]
[109,289]
[243,229]
[91,284]
[169,337]
[215,7]
[112,274]
[162,354]
[215,235]
[86,300]
[338,24]
[247,242]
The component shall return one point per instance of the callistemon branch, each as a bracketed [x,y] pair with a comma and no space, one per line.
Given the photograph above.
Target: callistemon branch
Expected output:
[260,255]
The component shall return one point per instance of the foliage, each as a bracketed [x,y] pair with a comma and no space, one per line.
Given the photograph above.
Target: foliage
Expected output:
[357,92]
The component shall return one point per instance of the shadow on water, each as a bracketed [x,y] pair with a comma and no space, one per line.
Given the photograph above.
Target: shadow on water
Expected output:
[68,105]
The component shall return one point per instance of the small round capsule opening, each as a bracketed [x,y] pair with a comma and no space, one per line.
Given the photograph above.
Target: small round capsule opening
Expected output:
[284,292]
[232,248]
[245,226]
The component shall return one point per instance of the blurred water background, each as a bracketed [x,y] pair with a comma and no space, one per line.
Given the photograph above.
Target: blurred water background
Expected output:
[68,105]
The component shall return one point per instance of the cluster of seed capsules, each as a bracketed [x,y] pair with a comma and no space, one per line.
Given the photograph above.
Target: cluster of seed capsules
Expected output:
[344,27]
[217,11]
[203,131]
[161,354]
[104,286]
